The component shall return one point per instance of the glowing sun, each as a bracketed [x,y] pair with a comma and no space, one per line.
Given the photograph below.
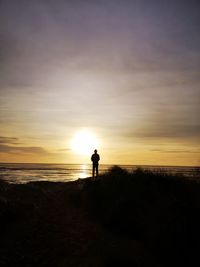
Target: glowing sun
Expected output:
[84,142]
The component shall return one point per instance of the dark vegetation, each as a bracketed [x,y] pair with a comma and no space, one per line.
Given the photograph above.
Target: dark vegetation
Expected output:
[120,219]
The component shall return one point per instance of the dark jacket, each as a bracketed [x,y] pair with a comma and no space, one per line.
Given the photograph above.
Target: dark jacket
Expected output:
[95,158]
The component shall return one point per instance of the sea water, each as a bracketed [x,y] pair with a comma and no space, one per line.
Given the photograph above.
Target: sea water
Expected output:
[24,173]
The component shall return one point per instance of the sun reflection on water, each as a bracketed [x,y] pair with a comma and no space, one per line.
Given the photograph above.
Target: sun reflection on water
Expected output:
[84,171]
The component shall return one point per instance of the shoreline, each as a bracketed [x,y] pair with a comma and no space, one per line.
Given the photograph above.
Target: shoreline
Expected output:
[23,173]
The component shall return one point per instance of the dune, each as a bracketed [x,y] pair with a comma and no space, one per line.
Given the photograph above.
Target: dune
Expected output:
[118,219]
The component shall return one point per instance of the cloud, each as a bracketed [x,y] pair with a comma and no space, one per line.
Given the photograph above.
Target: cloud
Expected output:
[166,130]
[9,140]
[10,145]
[167,120]
[176,150]
[24,150]
[63,149]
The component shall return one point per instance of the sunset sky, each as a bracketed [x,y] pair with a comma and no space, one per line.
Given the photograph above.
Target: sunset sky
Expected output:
[125,72]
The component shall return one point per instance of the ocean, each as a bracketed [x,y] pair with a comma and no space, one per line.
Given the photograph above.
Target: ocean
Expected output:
[23,173]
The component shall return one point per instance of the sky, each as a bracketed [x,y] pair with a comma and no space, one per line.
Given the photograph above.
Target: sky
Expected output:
[128,72]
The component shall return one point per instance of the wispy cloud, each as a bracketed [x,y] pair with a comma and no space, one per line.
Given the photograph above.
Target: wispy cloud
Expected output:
[64,149]
[11,145]
[9,140]
[176,150]
[24,150]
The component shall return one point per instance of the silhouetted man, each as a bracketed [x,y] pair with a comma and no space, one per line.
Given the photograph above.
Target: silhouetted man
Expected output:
[95,160]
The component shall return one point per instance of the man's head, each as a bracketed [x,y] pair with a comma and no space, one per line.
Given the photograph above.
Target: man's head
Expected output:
[95,151]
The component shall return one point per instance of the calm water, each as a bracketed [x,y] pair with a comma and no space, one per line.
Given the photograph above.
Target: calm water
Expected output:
[23,173]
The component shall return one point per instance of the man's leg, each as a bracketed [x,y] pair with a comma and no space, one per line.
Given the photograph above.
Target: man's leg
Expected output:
[93,169]
[97,171]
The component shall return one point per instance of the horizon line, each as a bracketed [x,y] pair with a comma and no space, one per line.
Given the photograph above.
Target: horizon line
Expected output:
[142,165]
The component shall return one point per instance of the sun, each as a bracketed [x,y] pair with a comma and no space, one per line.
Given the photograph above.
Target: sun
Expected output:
[84,142]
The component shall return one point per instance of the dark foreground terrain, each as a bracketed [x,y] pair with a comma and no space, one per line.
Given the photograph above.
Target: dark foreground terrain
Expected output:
[120,219]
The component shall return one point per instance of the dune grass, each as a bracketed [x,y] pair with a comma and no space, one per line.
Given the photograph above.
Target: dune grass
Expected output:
[159,209]
[121,218]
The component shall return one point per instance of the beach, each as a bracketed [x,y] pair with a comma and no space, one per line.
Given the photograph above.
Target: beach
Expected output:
[141,219]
